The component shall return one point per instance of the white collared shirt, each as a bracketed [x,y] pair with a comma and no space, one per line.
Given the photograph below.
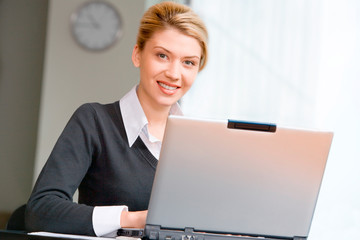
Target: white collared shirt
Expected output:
[136,123]
[106,219]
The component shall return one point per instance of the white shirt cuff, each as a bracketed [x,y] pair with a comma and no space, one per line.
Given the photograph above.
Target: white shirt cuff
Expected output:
[106,220]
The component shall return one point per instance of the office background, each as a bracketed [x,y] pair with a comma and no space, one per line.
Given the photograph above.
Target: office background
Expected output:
[295,63]
[45,76]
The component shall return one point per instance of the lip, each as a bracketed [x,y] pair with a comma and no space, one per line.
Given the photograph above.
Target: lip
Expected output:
[167,90]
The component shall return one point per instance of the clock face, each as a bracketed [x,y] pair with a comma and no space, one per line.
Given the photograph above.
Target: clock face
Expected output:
[96,25]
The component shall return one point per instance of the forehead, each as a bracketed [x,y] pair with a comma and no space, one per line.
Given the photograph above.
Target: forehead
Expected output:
[175,42]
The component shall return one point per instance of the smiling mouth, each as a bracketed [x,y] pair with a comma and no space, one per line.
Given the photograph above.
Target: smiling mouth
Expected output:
[167,86]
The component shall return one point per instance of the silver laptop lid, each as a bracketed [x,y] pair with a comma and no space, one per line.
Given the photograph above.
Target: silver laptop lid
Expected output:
[215,179]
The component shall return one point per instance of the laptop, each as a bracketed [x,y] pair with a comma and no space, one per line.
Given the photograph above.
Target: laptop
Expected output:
[235,180]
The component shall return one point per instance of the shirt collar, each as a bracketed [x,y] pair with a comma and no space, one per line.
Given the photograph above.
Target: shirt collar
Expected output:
[134,117]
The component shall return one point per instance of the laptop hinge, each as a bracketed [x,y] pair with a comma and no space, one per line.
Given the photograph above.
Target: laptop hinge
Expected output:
[189,230]
[299,238]
[152,231]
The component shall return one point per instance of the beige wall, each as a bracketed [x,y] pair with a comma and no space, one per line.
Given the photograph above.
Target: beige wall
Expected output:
[73,76]
[22,39]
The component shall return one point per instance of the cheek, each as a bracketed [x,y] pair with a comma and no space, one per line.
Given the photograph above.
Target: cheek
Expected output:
[190,78]
[151,68]
[147,72]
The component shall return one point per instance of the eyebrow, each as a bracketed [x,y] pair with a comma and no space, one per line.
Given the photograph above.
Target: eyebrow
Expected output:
[168,51]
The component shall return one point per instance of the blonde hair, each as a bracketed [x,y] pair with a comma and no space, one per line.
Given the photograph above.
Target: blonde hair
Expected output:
[170,14]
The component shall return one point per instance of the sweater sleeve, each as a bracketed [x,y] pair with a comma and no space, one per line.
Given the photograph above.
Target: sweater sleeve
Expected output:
[50,207]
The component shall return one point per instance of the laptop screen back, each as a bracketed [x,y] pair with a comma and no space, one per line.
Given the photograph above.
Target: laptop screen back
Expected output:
[221,180]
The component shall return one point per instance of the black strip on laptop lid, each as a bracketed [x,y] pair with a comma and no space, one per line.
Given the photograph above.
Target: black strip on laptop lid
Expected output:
[254,126]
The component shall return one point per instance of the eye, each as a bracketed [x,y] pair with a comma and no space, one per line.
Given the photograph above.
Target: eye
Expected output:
[190,63]
[162,56]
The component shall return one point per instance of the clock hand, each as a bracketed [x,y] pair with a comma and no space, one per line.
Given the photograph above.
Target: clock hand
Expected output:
[93,21]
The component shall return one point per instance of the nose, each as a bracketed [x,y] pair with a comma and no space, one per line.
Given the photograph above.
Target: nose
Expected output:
[173,71]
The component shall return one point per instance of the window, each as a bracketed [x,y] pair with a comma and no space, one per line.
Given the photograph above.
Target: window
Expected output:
[263,62]
[295,63]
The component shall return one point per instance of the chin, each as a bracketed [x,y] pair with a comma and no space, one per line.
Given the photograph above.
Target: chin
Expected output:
[168,103]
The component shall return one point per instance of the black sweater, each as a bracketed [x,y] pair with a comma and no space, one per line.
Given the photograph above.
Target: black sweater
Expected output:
[91,154]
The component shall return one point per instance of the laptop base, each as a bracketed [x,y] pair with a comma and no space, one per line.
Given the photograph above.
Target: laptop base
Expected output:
[155,232]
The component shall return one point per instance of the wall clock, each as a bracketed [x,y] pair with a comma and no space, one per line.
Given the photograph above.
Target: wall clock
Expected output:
[96,25]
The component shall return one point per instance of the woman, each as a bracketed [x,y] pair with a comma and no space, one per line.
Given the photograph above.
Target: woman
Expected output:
[109,152]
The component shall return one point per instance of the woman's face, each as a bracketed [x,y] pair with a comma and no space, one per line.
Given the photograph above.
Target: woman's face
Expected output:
[168,64]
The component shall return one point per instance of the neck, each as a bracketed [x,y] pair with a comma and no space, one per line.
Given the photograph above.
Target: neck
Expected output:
[156,116]
[157,121]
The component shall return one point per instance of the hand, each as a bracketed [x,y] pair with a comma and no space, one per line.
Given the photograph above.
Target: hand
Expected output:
[133,219]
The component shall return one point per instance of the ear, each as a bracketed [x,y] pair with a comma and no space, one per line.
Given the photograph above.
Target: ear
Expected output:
[136,56]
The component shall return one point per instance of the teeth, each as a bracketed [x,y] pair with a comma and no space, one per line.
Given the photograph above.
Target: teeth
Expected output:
[166,86]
